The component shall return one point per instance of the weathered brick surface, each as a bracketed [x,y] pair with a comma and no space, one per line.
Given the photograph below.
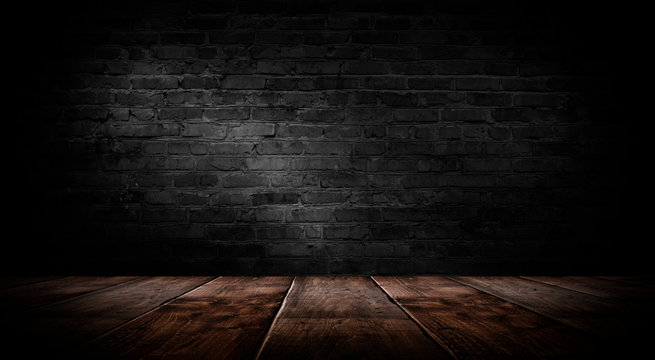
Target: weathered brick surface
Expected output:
[320,137]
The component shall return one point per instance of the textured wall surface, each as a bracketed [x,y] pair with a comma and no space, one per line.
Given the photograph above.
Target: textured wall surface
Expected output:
[319,137]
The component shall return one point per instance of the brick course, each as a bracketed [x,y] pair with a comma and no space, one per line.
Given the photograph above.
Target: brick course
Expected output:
[339,137]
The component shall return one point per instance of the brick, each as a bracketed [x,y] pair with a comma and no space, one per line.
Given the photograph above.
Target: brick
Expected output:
[459,148]
[416,115]
[464,115]
[266,215]
[250,130]
[456,67]
[535,165]
[321,115]
[161,198]
[443,52]
[192,199]
[279,232]
[199,82]
[163,215]
[244,181]
[137,99]
[532,132]
[488,99]
[211,215]
[375,37]
[394,52]
[365,67]
[226,114]
[278,37]
[437,231]
[378,82]
[317,68]
[155,83]
[429,83]
[195,180]
[345,232]
[414,68]
[508,148]
[413,148]
[326,37]
[310,215]
[370,148]
[299,131]
[493,165]
[274,198]
[524,84]
[203,130]
[267,163]
[376,165]
[291,250]
[188,98]
[280,147]
[341,180]
[357,215]
[274,114]
[328,148]
[219,163]
[174,52]
[241,250]
[179,113]
[539,100]
[243,82]
[477,84]
[324,198]
[328,164]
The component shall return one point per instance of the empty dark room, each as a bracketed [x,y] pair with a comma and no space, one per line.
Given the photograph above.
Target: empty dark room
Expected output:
[328,179]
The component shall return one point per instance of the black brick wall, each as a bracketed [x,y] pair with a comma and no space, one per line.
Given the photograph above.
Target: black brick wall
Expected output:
[322,137]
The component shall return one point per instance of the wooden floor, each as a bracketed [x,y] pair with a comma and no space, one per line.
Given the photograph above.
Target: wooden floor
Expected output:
[314,317]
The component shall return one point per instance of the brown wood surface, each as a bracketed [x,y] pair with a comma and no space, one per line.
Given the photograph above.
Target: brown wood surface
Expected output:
[48,292]
[599,287]
[344,318]
[226,318]
[328,317]
[475,325]
[60,327]
[11,281]
[585,312]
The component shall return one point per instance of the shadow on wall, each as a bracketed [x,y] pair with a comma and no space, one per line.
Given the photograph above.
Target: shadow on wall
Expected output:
[339,138]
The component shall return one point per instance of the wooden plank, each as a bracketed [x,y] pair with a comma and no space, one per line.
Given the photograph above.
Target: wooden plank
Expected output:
[344,318]
[645,281]
[585,312]
[474,325]
[11,281]
[599,287]
[60,327]
[226,318]
[43,293]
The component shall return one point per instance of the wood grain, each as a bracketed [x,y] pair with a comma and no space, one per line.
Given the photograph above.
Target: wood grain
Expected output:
[60,327]
[585,312]
[11,281]
[344,318]
[48,292]
[600,287]
[472,325]
[226,318]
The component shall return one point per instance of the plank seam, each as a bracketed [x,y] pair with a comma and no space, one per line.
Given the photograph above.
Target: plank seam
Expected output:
[565,288]
[118,327]
[110,287]
[33,282]
[275,318]
[423,328]
[579,330]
